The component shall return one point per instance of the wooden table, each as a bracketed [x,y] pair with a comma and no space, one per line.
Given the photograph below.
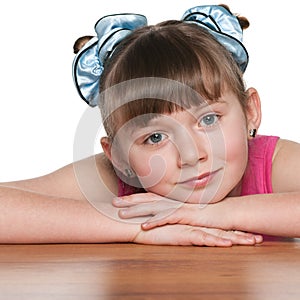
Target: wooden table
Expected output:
[127,271]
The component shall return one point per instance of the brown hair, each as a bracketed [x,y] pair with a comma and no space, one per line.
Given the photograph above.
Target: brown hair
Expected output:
[80,42]
[185,53]
[244,23]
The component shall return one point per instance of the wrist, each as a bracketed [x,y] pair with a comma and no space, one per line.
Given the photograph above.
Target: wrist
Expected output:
[223,214]
[231,213]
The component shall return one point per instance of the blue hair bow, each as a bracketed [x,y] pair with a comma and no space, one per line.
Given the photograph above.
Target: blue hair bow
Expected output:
[224,26]
[89,62]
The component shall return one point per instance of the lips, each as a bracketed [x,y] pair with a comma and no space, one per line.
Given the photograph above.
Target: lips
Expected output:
[199,181]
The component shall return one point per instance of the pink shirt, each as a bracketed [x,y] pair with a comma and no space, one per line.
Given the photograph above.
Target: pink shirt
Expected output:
[258,176]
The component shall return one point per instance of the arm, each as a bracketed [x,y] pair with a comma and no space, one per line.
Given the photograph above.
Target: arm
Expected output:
[54,209]
[270,214]
[33,218]
[273,214]
[277,213]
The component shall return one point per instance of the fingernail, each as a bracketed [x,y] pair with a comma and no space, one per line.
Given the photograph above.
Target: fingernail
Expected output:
[117,200]
[145,225]
[251,239]
[258,238]
[123,212]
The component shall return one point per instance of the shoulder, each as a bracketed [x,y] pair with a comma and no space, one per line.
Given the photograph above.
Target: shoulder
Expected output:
[285,145]
[74,180]
[97,173]
[286,166]
[107,172]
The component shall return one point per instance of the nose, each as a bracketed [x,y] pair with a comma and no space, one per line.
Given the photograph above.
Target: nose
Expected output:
[191,148]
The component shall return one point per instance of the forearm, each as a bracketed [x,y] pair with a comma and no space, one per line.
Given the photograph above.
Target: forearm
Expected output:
[271,214]
[33,218]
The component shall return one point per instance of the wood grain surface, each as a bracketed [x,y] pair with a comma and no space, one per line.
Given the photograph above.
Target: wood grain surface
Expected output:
[128,271]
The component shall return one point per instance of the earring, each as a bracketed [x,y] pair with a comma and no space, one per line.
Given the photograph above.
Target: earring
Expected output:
[252,133]
[128,172]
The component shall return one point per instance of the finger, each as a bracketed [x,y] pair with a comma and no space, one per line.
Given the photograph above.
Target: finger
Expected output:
[121,202]
[140,210]
[212,238]
[258,238]
[136,199]
[180,235]
[238,238]
[160,210]
[159,220]
[204,238]
[171,216]
[189,235]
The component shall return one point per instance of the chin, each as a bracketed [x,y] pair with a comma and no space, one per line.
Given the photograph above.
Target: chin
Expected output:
[207,196]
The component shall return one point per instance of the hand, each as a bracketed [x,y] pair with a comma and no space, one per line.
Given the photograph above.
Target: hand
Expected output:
[185,235]
[166,211]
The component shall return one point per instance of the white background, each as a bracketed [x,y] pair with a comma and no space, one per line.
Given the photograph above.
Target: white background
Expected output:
[40,108]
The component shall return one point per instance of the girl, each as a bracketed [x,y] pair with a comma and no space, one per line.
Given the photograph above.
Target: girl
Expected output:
[178,120]
[194,149]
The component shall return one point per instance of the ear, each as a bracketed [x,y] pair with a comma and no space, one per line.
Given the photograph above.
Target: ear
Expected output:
[253,109]
[114,157]
[106,146]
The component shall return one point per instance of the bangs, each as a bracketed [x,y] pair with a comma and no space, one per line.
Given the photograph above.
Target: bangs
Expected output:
[165,68]
[148,96]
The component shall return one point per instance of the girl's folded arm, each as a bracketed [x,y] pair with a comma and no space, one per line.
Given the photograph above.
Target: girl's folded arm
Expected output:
[277,213]
[55,207]
[28,217]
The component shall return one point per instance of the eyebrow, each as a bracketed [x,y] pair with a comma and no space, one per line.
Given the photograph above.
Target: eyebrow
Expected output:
[147,120]
[143,121]
[196,108]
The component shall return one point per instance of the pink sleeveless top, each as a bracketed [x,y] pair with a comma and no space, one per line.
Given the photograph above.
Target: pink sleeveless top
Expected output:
[125,189]
[258,176]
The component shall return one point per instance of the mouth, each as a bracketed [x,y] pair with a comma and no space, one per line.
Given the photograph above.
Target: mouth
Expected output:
[199,181]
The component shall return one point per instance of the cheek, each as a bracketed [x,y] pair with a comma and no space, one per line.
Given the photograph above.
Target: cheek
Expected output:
[150,168]
[229,149]
[236,149]
[235,137]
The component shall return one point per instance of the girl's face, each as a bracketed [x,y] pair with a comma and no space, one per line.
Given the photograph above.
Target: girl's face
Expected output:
[198,155]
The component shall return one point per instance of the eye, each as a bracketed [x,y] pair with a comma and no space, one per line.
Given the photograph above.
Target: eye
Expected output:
[155,138]
[209,120]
